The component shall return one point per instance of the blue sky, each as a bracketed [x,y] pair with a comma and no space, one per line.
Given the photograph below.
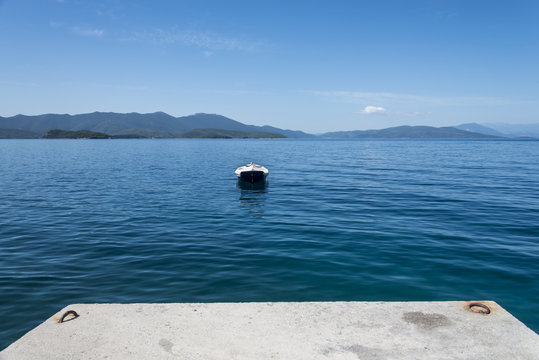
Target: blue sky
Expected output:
[310,65]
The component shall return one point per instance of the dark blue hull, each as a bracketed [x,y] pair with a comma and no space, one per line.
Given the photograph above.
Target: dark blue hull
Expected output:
[252,176]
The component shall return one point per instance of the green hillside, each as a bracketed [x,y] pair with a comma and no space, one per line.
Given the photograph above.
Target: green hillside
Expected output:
[228,134]
[18,134]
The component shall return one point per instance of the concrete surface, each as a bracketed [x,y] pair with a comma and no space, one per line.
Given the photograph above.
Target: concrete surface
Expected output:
[309,330]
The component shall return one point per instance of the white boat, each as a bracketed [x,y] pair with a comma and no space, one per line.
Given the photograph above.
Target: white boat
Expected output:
[252,173]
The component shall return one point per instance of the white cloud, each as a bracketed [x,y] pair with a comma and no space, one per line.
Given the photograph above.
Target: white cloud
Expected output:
[88,32]
[205,40]
[370,109]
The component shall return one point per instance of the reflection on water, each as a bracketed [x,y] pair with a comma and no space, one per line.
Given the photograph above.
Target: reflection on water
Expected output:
[253,196]
[245,185]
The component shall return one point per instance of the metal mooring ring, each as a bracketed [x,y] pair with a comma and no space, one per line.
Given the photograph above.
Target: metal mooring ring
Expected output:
[479,308]
[66,314]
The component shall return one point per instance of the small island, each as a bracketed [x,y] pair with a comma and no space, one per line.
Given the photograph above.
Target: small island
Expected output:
[79,134]
[86,134]
[229,134]
[192,134]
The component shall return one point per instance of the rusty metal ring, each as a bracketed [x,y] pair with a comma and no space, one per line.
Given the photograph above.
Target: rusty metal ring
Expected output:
[66,314]
[483,308]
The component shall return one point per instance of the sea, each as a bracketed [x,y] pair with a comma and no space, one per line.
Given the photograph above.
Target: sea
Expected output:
[165,220]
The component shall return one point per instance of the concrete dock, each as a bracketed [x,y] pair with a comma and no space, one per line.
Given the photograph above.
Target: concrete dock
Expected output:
[306,330]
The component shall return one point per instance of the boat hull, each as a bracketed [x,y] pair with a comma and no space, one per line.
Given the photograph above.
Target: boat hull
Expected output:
[252,176]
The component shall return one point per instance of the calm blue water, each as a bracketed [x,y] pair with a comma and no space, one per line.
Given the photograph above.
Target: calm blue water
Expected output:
[164,221]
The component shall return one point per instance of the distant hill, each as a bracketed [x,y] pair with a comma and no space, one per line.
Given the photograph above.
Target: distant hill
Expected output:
[84,134]
[409,132]
[287,133]
[480,129]
[516,130]
[191,134]
[228,134]
[18,134]
[158,124]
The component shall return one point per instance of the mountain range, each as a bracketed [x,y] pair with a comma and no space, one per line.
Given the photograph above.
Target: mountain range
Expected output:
[162,125]
[516,130]
[158,124]
[409,132]
[481,129]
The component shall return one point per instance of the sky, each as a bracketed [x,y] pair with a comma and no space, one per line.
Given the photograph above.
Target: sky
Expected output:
[312,65]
